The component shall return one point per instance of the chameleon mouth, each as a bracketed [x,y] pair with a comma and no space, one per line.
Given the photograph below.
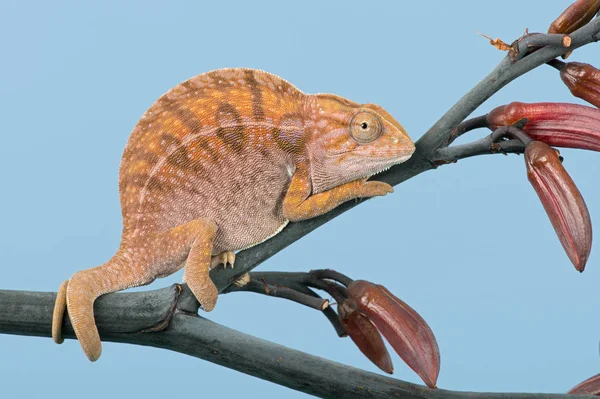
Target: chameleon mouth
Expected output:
[397,161]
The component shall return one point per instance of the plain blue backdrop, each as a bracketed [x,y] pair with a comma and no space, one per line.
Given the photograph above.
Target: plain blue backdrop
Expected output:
[468,245]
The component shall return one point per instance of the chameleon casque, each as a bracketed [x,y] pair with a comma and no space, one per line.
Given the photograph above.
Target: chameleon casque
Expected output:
[222,162]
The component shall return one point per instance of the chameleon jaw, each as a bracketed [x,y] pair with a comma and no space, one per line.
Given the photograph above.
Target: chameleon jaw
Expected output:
[400,160]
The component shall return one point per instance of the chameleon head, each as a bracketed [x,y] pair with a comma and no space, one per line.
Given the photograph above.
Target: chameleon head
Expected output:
[350,141]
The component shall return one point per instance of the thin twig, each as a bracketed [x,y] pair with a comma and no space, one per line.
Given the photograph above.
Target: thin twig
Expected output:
[512,131]
[534,41]
[466,126]
[280,292]
[337,291]
[296,281]
[558,64]
[482,146]
[331,275]
[332,316]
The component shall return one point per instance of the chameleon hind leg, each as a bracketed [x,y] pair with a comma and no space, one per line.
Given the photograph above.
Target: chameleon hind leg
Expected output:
[138,262]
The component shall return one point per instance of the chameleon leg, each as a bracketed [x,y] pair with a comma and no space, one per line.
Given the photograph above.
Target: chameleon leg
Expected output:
[298,204]
[224,258]
[139,262]
[197,267]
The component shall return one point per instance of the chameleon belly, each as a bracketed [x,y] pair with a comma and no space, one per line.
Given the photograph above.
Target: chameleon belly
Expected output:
[222,146]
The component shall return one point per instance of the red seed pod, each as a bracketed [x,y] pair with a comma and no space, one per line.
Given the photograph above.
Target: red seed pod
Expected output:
[591,386]
[404,329]
[575,16]
[583,80]
[365,335]
[557,124]
[562,201]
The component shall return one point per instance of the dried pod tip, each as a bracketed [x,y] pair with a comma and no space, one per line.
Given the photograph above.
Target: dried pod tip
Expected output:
[364,334]
[575,16]
[402,326]
[591,386]
[562,201]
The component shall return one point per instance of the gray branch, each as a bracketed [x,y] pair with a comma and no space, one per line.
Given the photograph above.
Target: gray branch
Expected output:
[167,318]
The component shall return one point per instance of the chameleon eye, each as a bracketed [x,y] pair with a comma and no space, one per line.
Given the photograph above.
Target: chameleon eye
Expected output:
[365,127]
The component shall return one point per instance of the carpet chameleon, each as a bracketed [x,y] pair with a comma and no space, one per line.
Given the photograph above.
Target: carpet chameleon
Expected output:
[222,162]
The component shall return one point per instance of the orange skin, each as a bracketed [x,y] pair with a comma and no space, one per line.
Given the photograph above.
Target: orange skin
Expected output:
[222,162]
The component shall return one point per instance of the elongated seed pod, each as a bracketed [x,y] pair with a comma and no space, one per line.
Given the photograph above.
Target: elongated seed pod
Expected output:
[583,80]
[365,335]
[557,124]
[402,327]
[575,16]
[562,201]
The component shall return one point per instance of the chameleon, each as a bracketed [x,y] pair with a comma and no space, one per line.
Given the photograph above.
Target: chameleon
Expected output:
[222,162]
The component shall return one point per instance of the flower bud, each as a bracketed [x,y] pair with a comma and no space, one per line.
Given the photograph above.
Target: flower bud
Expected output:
[404,329]
[365,335]
[583,80]
[557,124]
[575,16]
[562,201]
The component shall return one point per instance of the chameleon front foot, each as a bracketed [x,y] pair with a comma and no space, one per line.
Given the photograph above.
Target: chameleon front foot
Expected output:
[224,258]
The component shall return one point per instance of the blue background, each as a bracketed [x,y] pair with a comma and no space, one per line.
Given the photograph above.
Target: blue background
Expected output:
[468,245]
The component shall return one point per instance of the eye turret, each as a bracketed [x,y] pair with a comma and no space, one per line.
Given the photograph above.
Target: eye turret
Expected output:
[365,127]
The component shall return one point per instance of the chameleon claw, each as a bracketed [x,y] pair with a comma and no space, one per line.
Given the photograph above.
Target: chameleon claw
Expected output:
[224,258]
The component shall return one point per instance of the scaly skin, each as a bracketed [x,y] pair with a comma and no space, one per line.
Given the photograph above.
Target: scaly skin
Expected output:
[222,162]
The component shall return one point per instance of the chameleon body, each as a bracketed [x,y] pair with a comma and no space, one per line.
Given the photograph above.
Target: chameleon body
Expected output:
[222,162]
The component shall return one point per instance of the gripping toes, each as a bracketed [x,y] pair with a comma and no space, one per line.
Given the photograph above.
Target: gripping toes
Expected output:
[224,258]
[373,188]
